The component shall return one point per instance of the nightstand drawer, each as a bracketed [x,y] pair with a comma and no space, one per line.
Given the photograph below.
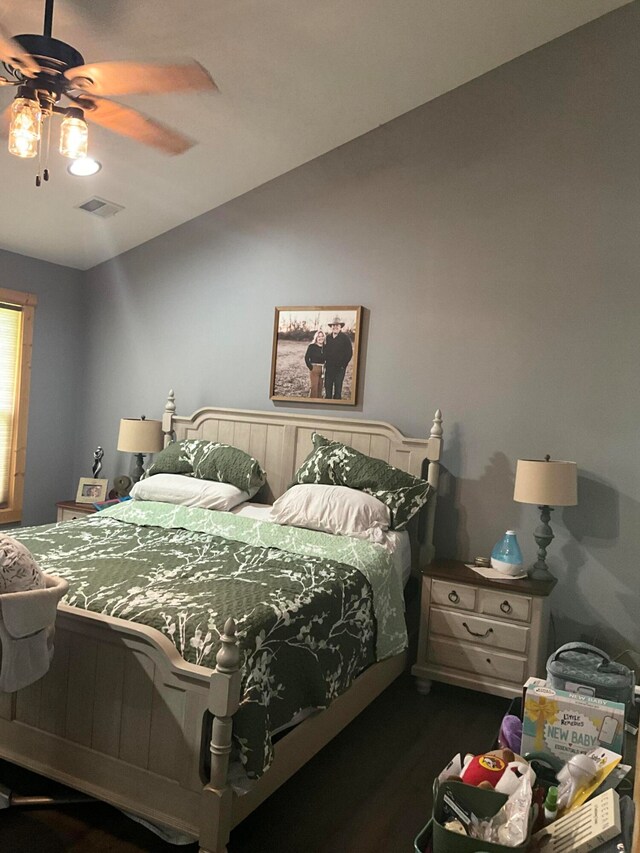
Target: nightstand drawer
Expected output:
[504,604]
[70,510]
[481,632]
[69,514]
[453,595]
[457,655]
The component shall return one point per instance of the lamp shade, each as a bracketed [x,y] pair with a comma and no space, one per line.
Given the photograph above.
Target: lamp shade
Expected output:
[138,435]
[546,483]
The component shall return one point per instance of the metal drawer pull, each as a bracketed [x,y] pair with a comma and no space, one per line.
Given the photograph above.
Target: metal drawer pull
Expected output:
[505,607]
[474,634]
[454,597]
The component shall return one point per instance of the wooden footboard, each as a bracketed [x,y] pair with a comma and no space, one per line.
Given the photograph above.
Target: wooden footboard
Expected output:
[120,717]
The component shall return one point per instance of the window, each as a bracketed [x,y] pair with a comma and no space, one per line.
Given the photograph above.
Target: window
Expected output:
[16,334]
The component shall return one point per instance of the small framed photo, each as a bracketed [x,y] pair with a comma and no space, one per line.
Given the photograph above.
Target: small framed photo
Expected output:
[91,490]
[315,354]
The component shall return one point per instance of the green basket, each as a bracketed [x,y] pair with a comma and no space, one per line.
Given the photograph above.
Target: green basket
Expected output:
[484,804]
[423,838]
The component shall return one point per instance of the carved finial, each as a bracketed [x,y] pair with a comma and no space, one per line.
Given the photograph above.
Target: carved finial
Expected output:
[436,429]
[228,657]
[167,418]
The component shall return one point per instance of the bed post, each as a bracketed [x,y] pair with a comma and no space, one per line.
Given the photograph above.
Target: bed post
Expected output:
[433,476]
[224,698]
[167,417]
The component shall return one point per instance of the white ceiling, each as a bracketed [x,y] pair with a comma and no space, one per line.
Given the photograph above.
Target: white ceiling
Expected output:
[296,77]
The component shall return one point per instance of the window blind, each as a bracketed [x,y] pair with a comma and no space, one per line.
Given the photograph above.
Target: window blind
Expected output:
[10,333]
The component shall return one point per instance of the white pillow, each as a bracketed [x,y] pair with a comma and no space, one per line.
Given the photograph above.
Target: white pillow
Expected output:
[188,491]
[332,509]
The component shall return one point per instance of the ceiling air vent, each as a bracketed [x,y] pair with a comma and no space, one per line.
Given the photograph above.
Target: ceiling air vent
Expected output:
[101,207]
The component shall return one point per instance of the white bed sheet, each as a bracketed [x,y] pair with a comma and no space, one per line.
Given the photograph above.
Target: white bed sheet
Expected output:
[397,543]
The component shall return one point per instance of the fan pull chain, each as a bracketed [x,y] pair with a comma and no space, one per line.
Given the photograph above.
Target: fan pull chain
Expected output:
[38,181]
[45,173]
[43,151]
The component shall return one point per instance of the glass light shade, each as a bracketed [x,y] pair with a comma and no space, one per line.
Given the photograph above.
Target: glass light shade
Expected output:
[24,131]
[74,137]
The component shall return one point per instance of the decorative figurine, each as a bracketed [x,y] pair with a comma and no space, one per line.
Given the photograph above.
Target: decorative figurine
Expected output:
[98,453]
[122,486]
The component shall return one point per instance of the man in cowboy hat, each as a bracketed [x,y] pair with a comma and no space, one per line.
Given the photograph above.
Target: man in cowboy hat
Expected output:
[338,353]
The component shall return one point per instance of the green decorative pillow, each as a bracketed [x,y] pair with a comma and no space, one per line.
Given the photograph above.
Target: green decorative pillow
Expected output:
[209,460]
[170,461]
[334,463]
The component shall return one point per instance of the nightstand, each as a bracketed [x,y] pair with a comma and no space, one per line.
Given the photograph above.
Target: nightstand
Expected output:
[481,634]
[68,510]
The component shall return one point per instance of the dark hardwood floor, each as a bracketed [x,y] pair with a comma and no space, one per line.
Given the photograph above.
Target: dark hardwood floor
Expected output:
[368,791]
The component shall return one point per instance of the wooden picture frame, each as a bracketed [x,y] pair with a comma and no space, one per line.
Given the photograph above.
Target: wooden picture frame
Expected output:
[310,345]
[91,490]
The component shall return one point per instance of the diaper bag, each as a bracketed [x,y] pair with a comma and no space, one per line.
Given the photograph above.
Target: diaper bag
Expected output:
[581,668]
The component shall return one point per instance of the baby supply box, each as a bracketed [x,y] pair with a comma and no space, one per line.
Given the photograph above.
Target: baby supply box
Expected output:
[564,723]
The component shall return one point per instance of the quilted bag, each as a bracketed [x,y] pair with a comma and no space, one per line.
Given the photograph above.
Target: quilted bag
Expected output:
[581,668]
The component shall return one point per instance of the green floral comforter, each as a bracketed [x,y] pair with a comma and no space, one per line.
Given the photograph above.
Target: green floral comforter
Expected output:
[312,610]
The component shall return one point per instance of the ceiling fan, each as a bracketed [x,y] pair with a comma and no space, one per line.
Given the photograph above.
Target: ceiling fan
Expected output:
[45,70]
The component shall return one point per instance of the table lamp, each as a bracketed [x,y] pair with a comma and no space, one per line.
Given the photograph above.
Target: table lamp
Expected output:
[547,483]
[139,436]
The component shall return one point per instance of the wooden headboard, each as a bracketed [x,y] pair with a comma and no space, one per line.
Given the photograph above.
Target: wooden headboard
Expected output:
[281,442]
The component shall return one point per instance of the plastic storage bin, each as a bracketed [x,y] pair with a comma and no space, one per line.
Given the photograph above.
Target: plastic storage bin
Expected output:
[423,838]
[484,804]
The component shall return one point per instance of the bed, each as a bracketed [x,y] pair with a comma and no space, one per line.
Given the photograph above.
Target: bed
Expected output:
[156,738]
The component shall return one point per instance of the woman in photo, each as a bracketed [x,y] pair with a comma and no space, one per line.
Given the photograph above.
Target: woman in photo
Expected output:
[314,359]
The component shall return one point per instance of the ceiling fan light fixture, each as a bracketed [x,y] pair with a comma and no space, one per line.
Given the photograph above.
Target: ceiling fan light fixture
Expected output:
[24,130]
[74,135]
[47,70]
[84,167]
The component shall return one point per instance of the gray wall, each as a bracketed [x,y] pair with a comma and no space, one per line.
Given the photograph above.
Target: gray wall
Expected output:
[55,380]
[492,235]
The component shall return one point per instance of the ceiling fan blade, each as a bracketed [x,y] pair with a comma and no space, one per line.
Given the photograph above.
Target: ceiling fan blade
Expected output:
[139,78]
[14,55]
[129,122]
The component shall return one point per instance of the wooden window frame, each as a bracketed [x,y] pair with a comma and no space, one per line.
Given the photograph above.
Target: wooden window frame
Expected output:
[27,302]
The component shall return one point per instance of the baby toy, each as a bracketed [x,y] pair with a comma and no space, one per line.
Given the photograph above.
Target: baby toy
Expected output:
[500,770]
[510,736]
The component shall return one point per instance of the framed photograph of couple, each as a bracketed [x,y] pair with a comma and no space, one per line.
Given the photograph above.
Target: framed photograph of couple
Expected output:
[315,354]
